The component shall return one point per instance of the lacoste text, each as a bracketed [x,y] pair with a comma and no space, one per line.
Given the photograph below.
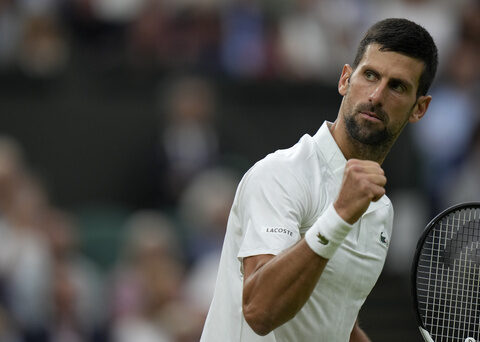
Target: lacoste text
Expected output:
[280,230]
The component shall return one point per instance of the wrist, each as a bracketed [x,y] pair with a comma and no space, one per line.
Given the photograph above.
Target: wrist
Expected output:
[327,233]
[343,213]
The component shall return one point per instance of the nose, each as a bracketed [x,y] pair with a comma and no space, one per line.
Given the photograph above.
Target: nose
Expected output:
[377,94]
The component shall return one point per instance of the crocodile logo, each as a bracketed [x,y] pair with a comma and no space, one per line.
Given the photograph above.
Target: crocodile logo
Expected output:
[383,238]
[322,239]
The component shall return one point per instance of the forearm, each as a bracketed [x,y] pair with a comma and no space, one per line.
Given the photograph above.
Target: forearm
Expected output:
[275,291]
[358,335]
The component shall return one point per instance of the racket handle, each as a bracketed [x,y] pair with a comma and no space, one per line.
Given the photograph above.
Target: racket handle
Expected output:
[425,334]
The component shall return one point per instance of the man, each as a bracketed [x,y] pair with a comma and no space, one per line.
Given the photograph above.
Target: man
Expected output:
[309,229]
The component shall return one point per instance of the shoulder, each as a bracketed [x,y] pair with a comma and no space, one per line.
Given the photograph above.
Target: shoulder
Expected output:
[282,174]
[293,160]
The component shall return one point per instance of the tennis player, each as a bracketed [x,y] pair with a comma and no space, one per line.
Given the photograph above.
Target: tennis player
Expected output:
[309,228]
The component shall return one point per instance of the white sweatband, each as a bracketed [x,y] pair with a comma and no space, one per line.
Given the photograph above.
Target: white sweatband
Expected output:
[327,233]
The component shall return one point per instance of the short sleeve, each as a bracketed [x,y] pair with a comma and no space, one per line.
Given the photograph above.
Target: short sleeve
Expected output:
[271,209]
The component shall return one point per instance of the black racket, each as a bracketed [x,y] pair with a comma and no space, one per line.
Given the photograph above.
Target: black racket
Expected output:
[446,276]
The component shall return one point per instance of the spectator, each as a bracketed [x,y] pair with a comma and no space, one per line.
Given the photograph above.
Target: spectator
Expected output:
[303,43]
[43,50]
[465,185]
[204,209]
[147,284]
[188,141]
[25,263]
[243,44]
[77,306]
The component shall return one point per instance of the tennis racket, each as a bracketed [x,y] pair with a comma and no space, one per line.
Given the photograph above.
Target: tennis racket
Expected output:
[446,276]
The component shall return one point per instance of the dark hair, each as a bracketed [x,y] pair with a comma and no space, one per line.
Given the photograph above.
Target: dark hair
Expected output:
[405,37]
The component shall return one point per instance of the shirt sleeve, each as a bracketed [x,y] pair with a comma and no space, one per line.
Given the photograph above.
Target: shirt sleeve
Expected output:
[271,208]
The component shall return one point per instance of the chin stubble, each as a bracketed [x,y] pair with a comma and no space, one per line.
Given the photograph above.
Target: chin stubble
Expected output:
[366,132]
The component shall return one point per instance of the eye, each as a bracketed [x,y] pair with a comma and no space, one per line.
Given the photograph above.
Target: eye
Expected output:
[398,87]
[370,75]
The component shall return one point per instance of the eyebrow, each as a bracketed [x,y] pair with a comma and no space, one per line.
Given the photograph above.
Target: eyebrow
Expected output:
[402,81]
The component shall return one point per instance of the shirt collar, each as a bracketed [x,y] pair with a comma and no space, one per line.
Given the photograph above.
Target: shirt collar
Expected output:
[329,149]
[336,160]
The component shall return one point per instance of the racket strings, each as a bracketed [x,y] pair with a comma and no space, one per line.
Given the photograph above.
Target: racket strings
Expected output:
[448,277]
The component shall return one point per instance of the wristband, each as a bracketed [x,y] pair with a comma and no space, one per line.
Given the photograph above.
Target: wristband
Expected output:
[327,233]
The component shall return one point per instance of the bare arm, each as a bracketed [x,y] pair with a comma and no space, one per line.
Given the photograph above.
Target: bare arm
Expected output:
[358,335]
[276,287]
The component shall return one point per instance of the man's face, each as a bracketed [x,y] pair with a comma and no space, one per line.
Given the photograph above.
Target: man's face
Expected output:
[380,95]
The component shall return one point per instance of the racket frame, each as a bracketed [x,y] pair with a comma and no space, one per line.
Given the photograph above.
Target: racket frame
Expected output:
[414,268]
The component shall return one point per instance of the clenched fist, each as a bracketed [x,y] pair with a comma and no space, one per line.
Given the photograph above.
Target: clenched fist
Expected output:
[363,182]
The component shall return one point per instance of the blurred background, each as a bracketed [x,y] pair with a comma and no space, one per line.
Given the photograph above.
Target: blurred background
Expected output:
[126,126]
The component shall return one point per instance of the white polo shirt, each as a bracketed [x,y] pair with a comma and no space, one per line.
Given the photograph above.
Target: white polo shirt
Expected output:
[276,202]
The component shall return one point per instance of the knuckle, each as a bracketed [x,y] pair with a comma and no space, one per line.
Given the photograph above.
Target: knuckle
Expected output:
[352,161]
[353,169]
[352,164]
[384,180]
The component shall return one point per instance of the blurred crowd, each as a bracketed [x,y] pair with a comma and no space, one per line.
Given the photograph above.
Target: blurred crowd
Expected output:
[160,283]
[293,39]
[157,289]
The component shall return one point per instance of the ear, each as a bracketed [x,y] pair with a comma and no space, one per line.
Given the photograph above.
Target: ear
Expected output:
[420,108]
[344,81]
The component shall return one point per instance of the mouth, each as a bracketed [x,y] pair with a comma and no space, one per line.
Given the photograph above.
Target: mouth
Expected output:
[371,116]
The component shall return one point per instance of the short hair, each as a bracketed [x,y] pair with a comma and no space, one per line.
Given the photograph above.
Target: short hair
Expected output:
[405,37]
